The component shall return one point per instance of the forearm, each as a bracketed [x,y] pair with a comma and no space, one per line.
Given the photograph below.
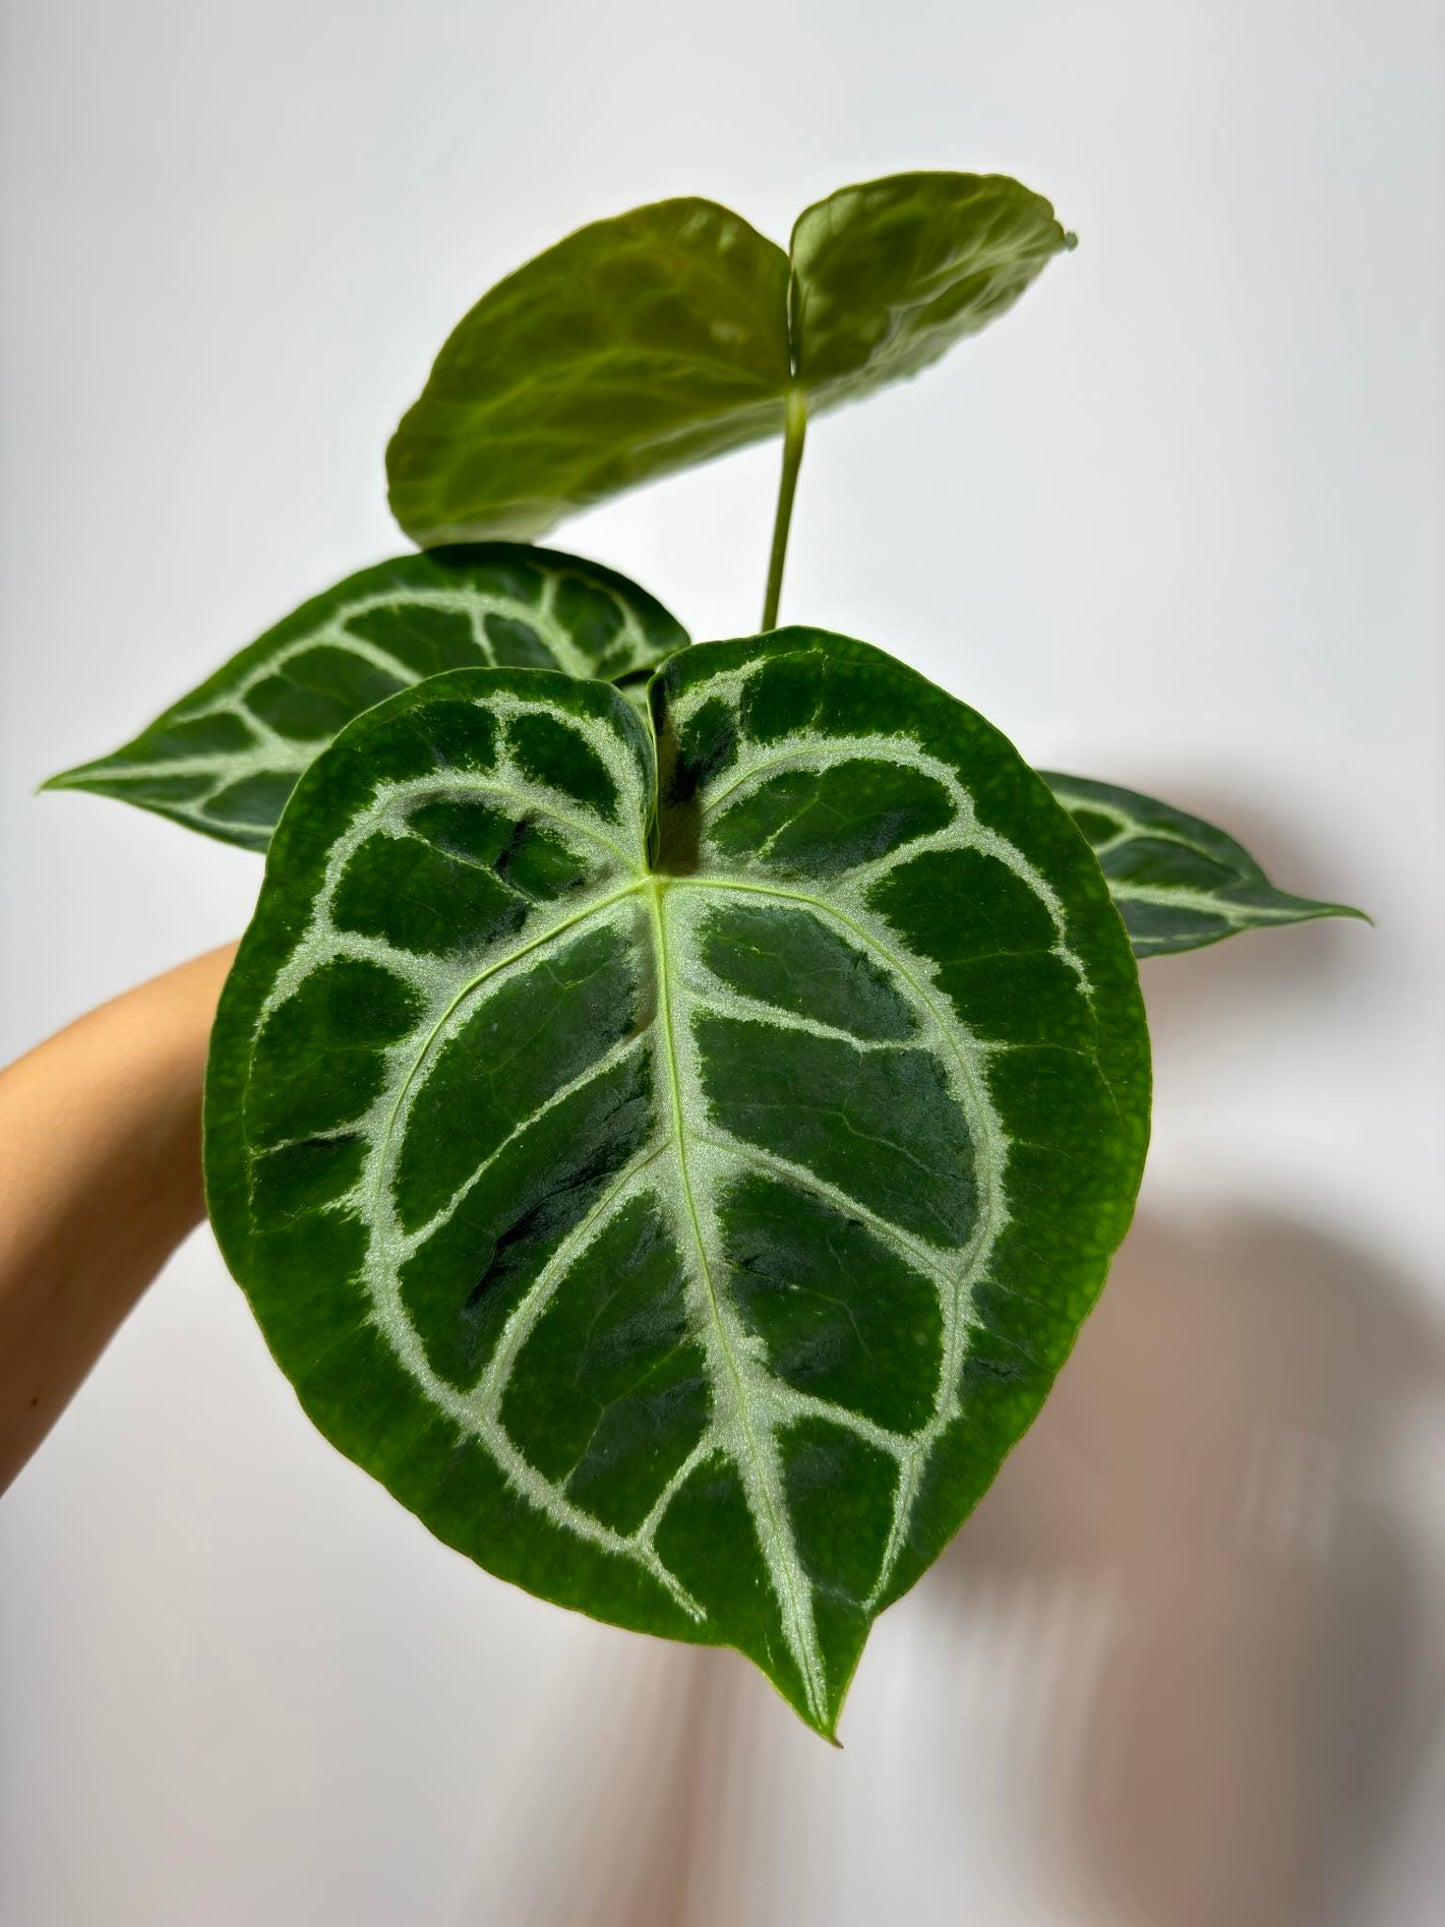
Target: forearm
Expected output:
[100,1143]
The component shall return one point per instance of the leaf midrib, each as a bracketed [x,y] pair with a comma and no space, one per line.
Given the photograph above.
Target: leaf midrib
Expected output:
[766,1500]
[800,1635]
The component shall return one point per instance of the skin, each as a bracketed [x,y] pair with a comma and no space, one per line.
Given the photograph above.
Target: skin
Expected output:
[100,1144]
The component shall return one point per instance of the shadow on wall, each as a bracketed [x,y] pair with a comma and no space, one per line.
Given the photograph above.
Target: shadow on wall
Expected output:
[1217,1454]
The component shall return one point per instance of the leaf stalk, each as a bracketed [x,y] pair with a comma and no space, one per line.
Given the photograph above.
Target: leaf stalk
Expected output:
[793,437]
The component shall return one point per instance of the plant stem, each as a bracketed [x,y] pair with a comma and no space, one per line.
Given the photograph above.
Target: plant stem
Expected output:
[796,429]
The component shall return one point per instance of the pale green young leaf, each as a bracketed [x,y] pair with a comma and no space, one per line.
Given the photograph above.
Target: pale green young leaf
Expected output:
[887,276]
[642,344]
[636,346]
[1179,883]
[679,1185]
[225,758]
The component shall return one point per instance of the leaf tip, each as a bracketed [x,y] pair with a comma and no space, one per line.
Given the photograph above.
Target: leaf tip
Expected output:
[824,1725]
[1071,240]
[1319,910]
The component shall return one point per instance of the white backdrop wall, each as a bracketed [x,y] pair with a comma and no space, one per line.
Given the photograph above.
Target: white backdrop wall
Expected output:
[1176,522]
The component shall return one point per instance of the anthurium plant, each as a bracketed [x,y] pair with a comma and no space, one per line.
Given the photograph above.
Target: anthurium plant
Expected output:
[675,1102]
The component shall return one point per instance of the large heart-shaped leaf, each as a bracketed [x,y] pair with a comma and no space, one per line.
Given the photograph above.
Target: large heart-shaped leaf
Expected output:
[1179,883]
[642,344]
[226,757]
[681,1191]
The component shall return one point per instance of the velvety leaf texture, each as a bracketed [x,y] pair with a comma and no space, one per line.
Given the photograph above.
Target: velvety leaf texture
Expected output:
[642,344]
[1179,883]
[889,275]
[225,758]
[678,1174]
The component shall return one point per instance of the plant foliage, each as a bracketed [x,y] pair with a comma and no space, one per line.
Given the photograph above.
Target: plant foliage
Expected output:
[673,1106]
[678,1174]
[1179,883]
[225,758]
[644,343]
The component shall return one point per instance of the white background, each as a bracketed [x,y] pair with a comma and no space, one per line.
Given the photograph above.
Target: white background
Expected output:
[1177,522]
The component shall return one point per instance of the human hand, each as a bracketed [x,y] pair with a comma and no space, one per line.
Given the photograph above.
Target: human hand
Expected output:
[100,1145]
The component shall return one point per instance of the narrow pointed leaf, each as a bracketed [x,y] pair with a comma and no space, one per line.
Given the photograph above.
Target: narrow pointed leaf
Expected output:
[224,759]
[642,344]
[1179,883]
[682,1205]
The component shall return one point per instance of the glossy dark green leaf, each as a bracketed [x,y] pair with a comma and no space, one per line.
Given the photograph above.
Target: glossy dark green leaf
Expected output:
[225,758]
[642,344]
[1179,883]
[681,1192]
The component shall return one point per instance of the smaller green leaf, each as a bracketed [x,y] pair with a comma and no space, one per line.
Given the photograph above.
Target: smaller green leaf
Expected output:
[224,759]
[633,347]
[676,332]
[1178,882]
[887,276]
